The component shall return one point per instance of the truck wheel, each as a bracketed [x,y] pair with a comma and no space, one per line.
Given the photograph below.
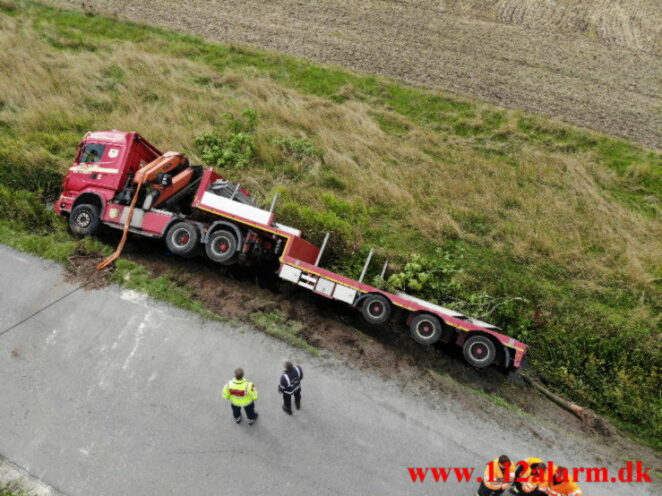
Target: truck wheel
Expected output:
[425,329]
[84,219]
[183,239]
[222,247]
[376,309]
[479,351]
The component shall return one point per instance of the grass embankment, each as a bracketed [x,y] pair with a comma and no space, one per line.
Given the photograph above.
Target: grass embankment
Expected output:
[563,219]
[12,490]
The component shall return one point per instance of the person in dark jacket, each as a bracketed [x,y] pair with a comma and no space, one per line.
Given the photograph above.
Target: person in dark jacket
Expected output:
[290,385]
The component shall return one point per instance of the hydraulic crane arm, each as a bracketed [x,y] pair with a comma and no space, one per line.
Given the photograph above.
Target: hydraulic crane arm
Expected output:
[149,173]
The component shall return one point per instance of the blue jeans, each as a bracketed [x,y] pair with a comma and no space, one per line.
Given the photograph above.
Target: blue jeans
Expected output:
[250,411]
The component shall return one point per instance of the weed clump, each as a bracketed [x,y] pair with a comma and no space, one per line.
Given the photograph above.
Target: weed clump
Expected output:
[232,146]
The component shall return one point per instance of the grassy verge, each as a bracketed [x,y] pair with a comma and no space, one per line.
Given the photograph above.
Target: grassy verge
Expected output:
[550,231]
[276,324]
[497,400]
[13,490]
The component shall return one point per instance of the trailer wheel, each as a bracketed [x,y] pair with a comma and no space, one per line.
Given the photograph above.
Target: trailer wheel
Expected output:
[479,351]
[84,219]
[376,309]
[222,247]
[425,329]
[183,239]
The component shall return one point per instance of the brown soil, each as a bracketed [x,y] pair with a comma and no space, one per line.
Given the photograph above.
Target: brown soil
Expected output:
[594,64]
[82,270]
[235,293]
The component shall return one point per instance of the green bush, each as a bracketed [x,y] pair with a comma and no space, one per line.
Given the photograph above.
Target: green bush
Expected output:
[432,278]
[230,147]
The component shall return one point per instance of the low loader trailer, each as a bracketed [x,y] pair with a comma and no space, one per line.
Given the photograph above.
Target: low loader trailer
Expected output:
[120,180]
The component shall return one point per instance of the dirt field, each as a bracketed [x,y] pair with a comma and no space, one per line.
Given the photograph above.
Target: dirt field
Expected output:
[594,64]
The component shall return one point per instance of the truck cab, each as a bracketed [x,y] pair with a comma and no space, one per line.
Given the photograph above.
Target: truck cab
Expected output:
[103,165]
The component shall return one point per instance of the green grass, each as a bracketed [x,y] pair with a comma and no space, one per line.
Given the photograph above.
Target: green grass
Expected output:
[163,288]
[12,489]
[564,219]
[276,324]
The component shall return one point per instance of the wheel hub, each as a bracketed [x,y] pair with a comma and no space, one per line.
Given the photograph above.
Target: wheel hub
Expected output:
[376,309]
[182,238]
[83,219]
[479,351]
[425,329]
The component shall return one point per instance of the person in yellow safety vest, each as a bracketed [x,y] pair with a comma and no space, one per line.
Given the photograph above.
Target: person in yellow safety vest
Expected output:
[242,394]
[499,474]
[529,477]
[562,484]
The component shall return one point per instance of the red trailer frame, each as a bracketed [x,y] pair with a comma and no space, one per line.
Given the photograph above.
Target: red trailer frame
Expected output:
[299,265]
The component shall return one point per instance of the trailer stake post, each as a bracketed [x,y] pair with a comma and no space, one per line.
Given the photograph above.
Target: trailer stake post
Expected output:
[321,252]
[273,203]
[367,263]
[234,193]
[384,269]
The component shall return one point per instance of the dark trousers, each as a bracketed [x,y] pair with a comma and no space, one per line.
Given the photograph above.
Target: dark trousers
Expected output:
[250,411]
[483,490]
[287,399]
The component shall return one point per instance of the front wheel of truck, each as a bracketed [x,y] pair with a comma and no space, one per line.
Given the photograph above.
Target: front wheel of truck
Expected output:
[84,219]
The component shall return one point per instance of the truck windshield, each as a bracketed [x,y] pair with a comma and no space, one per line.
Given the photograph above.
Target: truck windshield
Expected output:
[92,153]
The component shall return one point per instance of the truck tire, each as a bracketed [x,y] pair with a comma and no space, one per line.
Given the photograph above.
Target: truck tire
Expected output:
[183,239]
[376,309]
[425,329]
[479,351]
[84,219]
[222,247]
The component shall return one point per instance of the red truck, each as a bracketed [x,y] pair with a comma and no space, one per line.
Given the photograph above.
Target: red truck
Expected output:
[121,180]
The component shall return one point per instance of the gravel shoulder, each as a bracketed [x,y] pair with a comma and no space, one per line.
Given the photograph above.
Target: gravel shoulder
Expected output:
[605,82]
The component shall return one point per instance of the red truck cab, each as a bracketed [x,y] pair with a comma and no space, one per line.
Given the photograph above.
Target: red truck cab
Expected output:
[104,161]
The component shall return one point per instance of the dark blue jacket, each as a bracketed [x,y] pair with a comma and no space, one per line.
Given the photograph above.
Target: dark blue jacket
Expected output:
[290,381]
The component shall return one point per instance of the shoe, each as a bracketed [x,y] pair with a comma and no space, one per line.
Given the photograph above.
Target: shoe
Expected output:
[287,410]
[297,403]
[251,422]
[238,420]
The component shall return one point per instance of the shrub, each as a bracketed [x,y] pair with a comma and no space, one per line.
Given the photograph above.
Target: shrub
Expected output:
[431,278]
[232,146]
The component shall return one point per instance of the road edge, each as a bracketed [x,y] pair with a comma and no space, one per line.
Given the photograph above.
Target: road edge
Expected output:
[12,474]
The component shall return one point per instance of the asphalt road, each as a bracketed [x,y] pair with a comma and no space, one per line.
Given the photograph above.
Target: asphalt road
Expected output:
[108,393]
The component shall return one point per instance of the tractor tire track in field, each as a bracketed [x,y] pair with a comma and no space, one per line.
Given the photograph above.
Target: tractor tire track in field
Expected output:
[595,66]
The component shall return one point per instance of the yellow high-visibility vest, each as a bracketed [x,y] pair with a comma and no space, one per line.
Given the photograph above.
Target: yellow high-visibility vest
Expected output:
[240,393]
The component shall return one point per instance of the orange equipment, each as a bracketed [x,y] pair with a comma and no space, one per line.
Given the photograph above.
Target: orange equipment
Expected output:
[562,484]
[148,174]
